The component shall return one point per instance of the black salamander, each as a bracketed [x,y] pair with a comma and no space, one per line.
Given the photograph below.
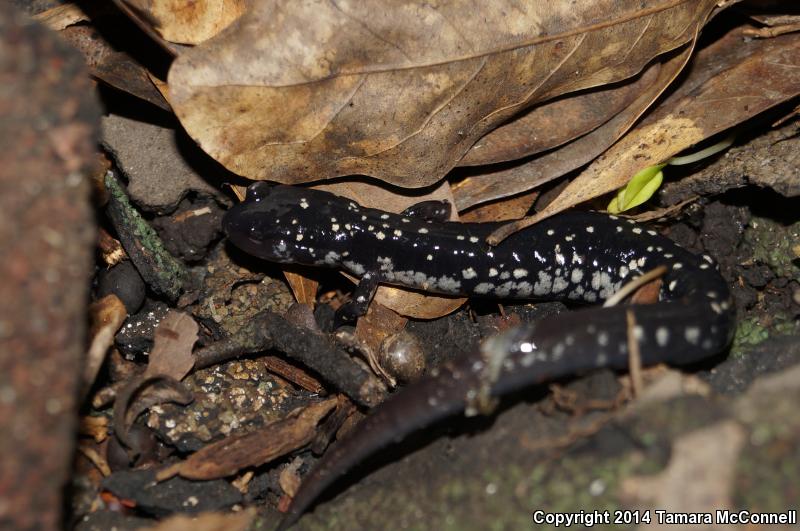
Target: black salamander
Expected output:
[580,257]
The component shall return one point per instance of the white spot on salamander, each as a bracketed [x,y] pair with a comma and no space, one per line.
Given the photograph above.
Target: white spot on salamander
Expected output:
[468,273]
[380,235]
[692,334]
[577,275]
[355,267]
[303,202]
[519,273]
[602,339]
[544,286]
[429,257]
[332,258]
[493,272]
[473,239]
[483,288]
[524,289]
[662,336]
[559,284]
[423,230]
[449,284]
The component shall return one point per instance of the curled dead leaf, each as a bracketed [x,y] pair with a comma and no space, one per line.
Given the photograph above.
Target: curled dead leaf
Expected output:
[140,394]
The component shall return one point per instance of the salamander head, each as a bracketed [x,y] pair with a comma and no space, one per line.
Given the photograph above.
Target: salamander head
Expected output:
[277,223]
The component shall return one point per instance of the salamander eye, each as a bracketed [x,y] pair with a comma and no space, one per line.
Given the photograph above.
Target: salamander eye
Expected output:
[258,191]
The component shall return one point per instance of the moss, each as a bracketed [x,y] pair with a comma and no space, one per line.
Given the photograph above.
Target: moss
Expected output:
[160,270]
[750,331]
[776,245]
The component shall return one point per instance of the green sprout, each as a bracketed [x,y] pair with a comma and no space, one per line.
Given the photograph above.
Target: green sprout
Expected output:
[645,183]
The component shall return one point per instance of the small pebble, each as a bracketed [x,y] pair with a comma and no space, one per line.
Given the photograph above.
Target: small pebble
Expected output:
[401,356]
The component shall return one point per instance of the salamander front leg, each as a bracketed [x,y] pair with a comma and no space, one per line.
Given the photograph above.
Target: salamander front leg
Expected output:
[431,210]
[349,312]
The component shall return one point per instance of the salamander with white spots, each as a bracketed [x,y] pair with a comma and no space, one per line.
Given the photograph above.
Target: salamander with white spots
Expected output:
[579,257]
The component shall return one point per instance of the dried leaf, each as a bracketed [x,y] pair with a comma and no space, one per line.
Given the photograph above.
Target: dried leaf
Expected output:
[207,522]
[121,71]
[720,97]
[173,340]
[228,456]
[189,22]
[94,427]
[107,315]
[289,478]
[508,209]
[688,117]
[59,17]
[494,184]
[405,302]
[296,92]
[559,121]
[140,394]
[303,288]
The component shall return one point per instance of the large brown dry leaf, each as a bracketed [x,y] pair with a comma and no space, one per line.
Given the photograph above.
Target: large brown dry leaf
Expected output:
[558,121]
[399,90]
[495,184]
[405,302]
[735,81]
[189,22]
[228,456]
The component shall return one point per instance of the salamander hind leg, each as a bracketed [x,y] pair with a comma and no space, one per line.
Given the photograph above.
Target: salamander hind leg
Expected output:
[349,312]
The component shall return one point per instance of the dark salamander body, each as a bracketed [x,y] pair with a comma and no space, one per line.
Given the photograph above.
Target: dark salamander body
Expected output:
[580,257]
